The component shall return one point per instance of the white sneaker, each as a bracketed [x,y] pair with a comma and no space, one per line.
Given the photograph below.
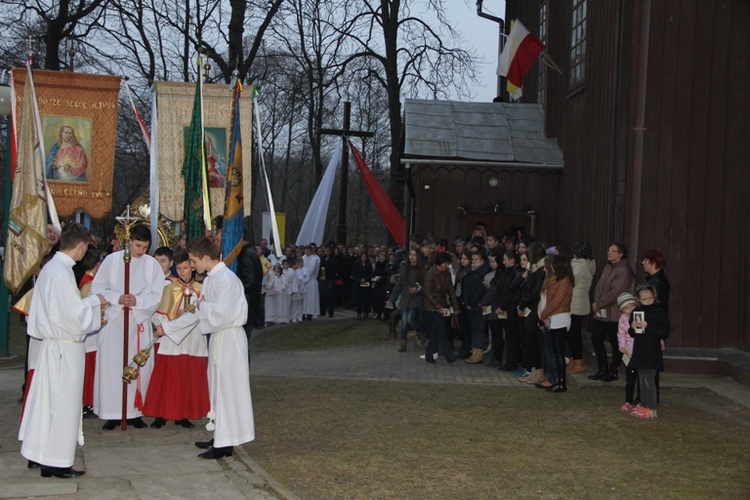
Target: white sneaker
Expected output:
[434,356]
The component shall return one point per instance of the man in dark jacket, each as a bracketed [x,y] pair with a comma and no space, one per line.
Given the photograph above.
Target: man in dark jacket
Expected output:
[250,273]
[328,266]
[472,292]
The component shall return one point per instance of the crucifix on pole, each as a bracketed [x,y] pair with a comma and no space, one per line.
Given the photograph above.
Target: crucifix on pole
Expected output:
[346,132]
[127,221]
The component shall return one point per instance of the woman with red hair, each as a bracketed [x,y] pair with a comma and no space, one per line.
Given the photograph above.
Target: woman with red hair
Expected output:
[654,262]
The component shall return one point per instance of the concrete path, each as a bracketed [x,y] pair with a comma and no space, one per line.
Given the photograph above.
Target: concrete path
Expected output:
[139,463]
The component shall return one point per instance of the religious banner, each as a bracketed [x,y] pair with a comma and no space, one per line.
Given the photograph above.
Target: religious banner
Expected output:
[174,107]
[234,213]
[79,122]
[27,227]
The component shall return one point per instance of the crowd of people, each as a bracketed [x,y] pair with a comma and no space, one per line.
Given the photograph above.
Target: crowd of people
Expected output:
[504,301]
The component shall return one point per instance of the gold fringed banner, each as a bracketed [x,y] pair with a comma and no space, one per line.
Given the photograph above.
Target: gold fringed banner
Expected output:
[174,101]
[79,123]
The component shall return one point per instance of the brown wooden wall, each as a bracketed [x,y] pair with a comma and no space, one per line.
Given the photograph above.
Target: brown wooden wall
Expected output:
[695,199]
[453,187]
[695,204]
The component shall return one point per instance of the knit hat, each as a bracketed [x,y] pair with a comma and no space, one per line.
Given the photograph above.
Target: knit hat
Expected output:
[624,299]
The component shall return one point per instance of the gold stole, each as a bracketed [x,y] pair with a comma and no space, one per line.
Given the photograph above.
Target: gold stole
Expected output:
[173,296]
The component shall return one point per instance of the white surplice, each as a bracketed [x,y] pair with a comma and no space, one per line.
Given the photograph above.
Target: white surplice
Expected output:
[146,284]
[311,299]
[60,319]
[222,314]
[274,286]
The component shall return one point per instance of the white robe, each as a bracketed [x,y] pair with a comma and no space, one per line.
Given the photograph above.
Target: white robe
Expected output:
[222,314]
[311,300]
[298,293]
[275,286]
[60,319]
[289,276]
[146,284]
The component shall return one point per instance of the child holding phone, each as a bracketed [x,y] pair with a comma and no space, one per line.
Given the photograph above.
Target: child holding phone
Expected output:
[652,321]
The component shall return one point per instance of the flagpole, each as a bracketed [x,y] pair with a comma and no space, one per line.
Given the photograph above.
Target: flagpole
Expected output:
[204,173]
[546,59]
[4,292]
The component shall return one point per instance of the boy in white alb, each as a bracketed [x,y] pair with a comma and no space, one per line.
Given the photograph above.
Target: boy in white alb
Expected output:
[51,423]
[221,312]
[146,285]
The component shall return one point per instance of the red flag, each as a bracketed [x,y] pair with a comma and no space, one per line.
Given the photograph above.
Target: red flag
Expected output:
[387,210]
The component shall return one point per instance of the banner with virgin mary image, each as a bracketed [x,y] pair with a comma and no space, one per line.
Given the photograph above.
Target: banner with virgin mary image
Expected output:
[79,121]
[174,107]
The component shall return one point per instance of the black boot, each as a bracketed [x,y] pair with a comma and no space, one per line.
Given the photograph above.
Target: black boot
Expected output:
[561,385]
[601,373]
[613,373]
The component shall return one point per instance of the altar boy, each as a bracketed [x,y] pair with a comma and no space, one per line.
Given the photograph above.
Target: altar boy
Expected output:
[60,318]
[221,311]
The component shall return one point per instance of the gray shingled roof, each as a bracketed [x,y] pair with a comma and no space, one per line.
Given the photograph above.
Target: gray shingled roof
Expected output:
[489,132]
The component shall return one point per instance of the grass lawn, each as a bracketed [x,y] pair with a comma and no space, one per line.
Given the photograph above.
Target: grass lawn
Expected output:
[319,334]
[326,438]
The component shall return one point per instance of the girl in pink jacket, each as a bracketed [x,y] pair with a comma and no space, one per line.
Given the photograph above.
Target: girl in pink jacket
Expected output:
[626,303]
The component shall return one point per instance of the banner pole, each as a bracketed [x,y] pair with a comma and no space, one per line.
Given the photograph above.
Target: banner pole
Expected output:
[4,292]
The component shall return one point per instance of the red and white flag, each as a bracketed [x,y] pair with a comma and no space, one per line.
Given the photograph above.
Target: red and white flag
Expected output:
[141,123]
[520,51]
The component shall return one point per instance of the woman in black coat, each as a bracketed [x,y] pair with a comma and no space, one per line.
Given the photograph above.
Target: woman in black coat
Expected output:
[379,282]
[528,302]
[508,290]
[361,275]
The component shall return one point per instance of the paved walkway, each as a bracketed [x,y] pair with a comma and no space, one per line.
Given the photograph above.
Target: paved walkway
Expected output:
[151,463]
[138,463]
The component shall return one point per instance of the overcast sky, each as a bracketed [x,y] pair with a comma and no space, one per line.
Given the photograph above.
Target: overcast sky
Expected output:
[482,34]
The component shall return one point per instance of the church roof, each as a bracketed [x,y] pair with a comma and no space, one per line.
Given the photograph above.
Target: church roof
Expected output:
[478,132]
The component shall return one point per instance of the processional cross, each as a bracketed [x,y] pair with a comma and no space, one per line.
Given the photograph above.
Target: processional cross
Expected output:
[127,221]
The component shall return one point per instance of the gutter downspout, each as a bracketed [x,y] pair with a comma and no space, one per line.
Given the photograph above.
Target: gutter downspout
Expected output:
[621,132]
[409,204]
[500,43]
[639,131]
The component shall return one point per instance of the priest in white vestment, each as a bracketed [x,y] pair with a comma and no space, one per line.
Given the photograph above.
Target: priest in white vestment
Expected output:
[221,313]
[146,285]
[311,300]
[51,423]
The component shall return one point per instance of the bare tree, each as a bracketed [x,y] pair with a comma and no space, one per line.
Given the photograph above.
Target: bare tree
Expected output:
[414,55]
[63,20]
[308,36]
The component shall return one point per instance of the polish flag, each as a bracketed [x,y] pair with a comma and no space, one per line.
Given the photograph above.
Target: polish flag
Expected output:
[520,51]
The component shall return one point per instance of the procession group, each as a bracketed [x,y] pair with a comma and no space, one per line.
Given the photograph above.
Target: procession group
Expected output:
[192,334]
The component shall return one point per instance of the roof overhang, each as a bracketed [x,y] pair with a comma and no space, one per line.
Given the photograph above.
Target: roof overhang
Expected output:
[463,134]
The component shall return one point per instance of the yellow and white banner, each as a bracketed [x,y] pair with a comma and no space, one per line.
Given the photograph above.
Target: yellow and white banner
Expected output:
[27,225]
[174,106]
